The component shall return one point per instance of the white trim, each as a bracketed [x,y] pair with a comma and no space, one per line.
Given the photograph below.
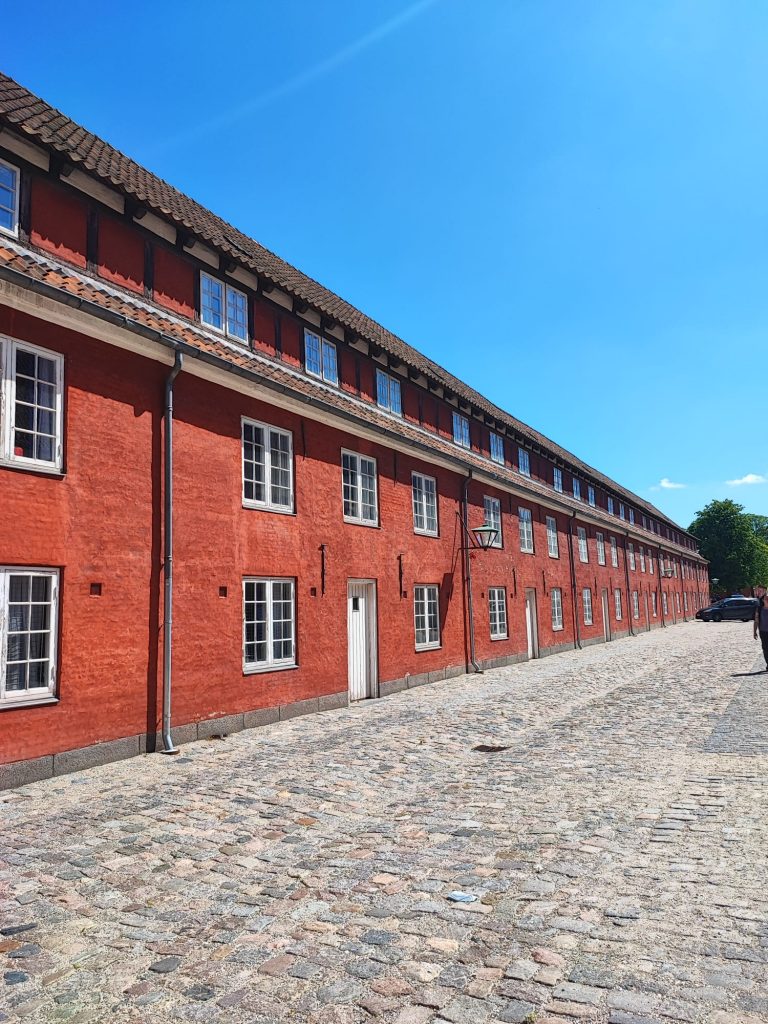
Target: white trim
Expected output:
[270,664]
[418,530]
[13,231]
[359,520]
[495,507]
[556,602]
[225,328]
[430,645]
[8,349]
[267,504]
[553,540]
[40,694]
[587,621]
[499,606]
[583,543]
[525,529]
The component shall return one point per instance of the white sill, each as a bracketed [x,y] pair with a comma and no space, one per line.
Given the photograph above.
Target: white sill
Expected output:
[255,670]
[553,556]
[528,551]
[10,232]
[28,702]
[495,638]
[361,522]
[557,629]
[32,466]
[259,507]
[425,533]
[428,647]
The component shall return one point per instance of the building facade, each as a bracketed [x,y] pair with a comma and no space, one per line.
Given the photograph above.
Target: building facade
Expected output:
[323,481]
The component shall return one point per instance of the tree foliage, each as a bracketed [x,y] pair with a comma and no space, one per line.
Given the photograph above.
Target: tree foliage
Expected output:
[733,542]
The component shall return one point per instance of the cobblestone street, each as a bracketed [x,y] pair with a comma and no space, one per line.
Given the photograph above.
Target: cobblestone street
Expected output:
[607,811]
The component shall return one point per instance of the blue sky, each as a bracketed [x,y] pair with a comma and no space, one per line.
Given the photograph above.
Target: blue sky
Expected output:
[563,203]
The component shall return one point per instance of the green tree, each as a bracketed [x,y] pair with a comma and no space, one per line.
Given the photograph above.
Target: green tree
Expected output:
[760,526]
[732,541]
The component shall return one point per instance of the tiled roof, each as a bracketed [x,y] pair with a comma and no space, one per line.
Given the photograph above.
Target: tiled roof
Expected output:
[68,282]
[31,116]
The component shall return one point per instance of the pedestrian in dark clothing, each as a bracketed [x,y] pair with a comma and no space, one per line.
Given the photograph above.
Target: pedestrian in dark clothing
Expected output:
[761,622]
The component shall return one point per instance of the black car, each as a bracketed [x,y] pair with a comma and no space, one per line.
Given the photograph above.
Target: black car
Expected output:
[737,608]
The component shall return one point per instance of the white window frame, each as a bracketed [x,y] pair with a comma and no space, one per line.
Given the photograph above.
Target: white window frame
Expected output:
[557,479]
[631,555]
[525,527]
[650,562]
[324,347]
[13,231]
[267,504]
[617,603]
[577,489]
[553,542]
[622,510]
[497,448]
[461,432]
[391,385]
[600,541]
[270,664]
[497,613]
[492,517]
[523,462]
[586,604]
[225,325]
[610,507]
[419,500]
[556,600]
[591,495]
[581,533]
[360,520]
[635,604]
[38,694]
[664,603]
[631,517]
[426,593]
[677,600]
[9,347]
[614,552]
[641,553]
[655,603]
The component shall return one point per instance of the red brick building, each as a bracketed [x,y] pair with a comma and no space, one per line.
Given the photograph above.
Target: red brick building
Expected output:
[323,480]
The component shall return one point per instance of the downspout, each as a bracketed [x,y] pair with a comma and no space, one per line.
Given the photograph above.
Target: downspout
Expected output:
[630,605]
[468,571]
[168,747]
[661,591]
[576,630]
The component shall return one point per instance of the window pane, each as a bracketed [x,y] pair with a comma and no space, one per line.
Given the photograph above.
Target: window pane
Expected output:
[237,314]
[350,486]
[254,463]
[312,353]
[34,418]
[16,677]
[280,460]
[330,369]
[368,489]
[382,389]
[395,397]
[211,302]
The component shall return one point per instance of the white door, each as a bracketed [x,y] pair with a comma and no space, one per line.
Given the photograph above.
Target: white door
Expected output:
[361,637]
[531,624]
[606,617]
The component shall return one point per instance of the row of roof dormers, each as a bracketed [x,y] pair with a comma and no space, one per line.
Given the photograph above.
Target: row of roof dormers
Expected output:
[69,145]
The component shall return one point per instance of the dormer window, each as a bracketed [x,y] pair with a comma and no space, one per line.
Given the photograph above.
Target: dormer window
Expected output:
[557,479]
[497,448]
[610,506]
[461,430]
[388,394]
[223,308]
[320,358]
[523,462]
[577,489]
[9,198]
[591,495]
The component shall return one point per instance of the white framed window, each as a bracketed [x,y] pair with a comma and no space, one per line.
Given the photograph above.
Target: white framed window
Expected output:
[614,553]
[610,506]
[29,602]
[9,198]
[269,624]
[497,609]
[677,600]
[591,495]
[635,605]
[523,462]
[586,603]
[424,489]
[31,380]
[631,554]
[492,510]
[461,430]
[267,467]
[617,603]
[497,448]
[223,307]
[320,358]
[600,541]
[650,562]
[525,522]
[631,517]
[557,479]
[641,552]
[388,393]
[583,545]
[685,600]
[359,491]
[426,614]
[674,568]
[553,545]
[664,604]
[556,596]
[577,489]
[622,511]
[655,603]
[645,522]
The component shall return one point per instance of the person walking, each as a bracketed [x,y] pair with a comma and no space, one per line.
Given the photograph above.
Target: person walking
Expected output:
[761,622]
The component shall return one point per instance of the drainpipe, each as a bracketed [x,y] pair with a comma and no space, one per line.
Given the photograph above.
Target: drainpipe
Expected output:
[576,629]
[468,571]
[630,606]
[168,747]
[661,592]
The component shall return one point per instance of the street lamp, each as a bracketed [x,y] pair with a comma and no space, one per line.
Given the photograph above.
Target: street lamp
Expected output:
[484,536]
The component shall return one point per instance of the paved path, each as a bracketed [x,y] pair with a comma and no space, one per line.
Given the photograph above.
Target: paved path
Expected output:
[616,847]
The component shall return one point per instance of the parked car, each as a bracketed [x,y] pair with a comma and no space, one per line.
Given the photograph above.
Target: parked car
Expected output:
[736,608]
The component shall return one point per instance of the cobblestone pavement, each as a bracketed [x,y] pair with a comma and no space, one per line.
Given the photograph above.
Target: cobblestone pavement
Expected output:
[607,811]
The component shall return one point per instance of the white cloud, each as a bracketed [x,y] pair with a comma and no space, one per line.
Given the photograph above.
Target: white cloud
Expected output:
[665,484]
[750,478]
